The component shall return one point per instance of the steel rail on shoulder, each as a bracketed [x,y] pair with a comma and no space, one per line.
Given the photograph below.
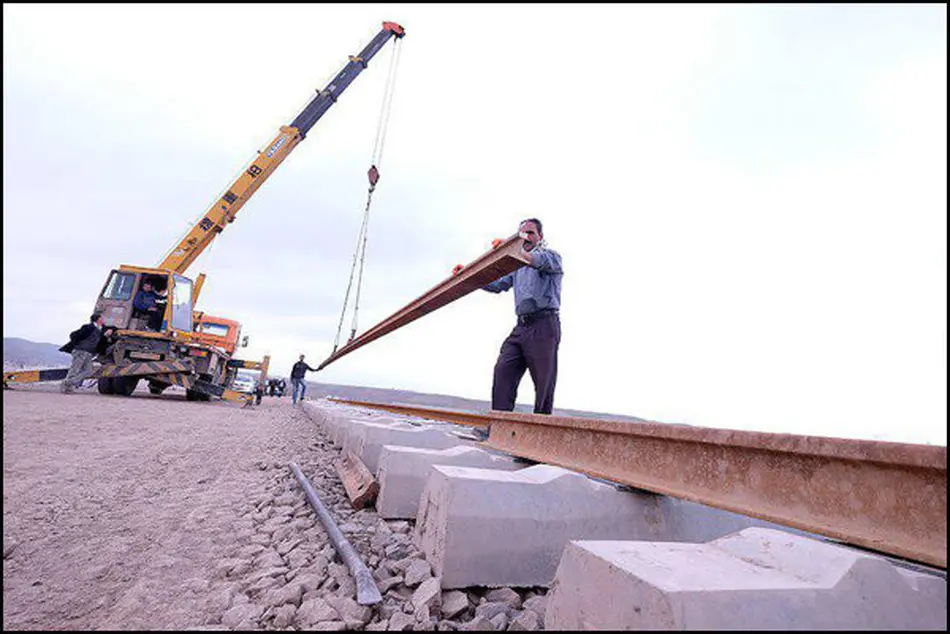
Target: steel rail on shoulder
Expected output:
[885,496]
[487,268]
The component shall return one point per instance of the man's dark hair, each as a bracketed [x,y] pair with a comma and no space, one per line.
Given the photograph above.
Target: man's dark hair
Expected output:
[95,317]
[537,223]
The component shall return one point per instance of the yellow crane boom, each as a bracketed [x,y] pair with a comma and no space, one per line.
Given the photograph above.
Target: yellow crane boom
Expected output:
[225,209]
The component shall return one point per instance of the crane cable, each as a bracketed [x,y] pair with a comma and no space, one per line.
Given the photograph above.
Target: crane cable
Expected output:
[359,255]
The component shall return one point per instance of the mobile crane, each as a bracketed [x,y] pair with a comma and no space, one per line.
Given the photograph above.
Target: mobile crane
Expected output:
[174,353]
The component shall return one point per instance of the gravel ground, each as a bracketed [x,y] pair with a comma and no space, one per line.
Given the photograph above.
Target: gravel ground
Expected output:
[151,512]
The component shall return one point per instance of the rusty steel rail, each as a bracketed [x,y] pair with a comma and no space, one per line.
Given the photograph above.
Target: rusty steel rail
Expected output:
[488,267]
[885,496]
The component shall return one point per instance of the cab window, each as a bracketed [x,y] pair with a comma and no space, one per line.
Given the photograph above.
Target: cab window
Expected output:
[120,286]
[218,330]
[181,304]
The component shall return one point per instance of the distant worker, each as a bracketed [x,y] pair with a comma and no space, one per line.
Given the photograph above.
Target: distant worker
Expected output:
[533,343]
[84,343]
[297,374]
[146,305]
[281,386]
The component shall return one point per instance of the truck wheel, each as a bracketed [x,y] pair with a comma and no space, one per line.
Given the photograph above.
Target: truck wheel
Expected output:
[125,385]
[106,386]
[156,388]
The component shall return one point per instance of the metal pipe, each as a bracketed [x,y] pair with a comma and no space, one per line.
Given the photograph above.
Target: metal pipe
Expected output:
[366,591]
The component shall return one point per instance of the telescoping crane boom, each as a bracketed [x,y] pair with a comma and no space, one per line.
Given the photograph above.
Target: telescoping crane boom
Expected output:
[225,209]
[170,352]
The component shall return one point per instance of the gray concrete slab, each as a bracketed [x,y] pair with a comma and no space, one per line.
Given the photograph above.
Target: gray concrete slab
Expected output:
[508,528]
[337,420]
[402,473]
[685,521]
[755,579]
[366,439]
[353,433]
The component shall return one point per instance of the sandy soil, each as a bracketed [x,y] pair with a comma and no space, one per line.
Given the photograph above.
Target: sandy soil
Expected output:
[117,510]
[151,512]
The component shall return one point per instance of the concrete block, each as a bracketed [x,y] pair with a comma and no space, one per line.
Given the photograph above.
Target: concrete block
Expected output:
[685,521]
[402,473]
[755,579]
[508,528]
[337,421]
[349,428]
[366,440]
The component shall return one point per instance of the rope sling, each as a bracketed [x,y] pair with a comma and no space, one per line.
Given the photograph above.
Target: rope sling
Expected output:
[359,255]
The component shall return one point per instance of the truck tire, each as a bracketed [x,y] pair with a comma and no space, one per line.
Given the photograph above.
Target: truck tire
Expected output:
[195,395]
[106,386]
[156,388]
[125,385]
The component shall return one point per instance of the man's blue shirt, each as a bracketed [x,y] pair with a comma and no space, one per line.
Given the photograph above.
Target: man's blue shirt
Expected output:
[537,286]
[144,300]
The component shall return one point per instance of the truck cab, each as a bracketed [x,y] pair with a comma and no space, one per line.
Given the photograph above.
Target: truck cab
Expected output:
[117,299]
[218,331]
[167,337]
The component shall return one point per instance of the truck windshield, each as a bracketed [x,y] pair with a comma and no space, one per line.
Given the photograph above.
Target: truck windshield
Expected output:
[120,286]
[218,330]
[181,304]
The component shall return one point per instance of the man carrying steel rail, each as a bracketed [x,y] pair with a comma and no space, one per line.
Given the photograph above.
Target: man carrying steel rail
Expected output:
[533,343]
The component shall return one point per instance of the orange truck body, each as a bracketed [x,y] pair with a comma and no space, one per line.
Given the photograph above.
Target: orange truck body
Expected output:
[217,331]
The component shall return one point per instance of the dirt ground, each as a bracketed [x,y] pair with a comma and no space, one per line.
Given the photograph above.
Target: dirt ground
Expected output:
[117,510]
[151,512]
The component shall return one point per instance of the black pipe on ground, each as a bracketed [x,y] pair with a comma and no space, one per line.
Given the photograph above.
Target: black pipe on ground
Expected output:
[366,591]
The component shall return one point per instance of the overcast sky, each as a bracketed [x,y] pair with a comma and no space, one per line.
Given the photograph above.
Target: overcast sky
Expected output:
[750,201]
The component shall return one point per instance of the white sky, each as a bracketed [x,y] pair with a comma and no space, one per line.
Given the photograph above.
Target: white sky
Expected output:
[750,201]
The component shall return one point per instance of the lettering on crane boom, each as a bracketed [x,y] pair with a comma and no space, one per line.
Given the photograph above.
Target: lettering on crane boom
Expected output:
[253,171]
[206,223]
[277,145]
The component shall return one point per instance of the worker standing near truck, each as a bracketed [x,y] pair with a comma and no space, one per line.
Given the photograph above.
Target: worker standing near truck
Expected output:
[297,374]
[83,345]
[533,343]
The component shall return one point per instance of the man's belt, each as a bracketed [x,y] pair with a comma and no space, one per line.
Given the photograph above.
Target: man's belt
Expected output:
[530,318]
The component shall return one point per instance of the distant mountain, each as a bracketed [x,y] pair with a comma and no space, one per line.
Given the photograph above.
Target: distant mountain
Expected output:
[21,353]
[403,397]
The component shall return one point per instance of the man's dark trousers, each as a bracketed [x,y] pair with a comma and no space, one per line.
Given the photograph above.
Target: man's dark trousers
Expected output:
[532,346]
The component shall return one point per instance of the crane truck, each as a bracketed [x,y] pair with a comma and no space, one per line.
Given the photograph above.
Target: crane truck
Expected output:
[176,352]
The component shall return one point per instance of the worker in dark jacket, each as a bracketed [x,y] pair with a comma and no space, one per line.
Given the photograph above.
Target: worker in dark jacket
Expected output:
[297,374]
[147,304]
[83,345]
